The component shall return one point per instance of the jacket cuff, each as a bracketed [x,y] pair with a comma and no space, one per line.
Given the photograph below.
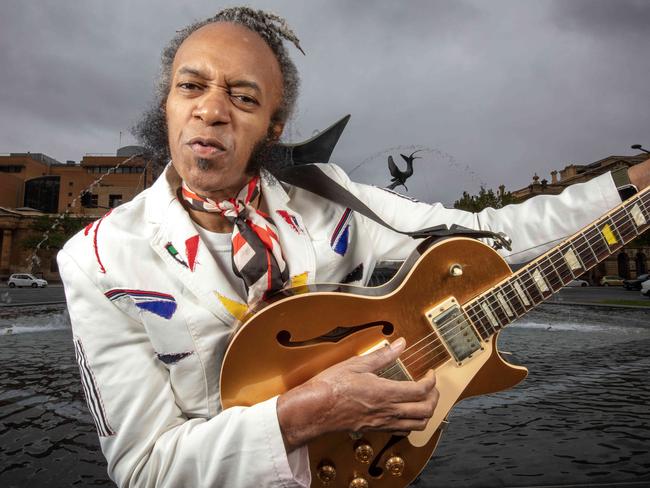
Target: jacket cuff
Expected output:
[608,189]
[293,469]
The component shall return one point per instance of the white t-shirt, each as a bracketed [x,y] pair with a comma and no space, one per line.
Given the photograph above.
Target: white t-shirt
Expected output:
[220,246]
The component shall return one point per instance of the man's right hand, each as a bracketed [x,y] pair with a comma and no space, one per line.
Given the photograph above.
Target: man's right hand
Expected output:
[349,396]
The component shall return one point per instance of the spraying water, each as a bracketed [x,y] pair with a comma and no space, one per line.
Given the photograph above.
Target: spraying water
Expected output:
[34,260]
[452,162]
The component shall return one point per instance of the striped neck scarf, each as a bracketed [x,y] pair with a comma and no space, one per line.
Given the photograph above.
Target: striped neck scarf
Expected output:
[256,254]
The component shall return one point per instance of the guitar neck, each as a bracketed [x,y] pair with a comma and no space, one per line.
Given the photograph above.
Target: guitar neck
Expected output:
[540,279]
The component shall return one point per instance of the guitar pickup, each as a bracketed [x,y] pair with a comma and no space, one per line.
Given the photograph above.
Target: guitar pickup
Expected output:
[396,371]
[455,331]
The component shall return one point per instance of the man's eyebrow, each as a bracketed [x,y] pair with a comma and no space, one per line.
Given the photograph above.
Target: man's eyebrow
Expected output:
[186,70]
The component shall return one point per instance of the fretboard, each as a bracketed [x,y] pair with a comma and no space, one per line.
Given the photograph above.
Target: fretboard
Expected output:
[540,279]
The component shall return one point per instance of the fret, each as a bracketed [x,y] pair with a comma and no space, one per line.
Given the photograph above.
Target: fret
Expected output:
[541,283]
[498,309]
[571,260]
[531,288]
[479,320]
[584,251]
[625,225]
[644,201]
[512,298]
[610,233]
[521,293]
[492,319]
[503,301]
[637,215]
[597,243]
[549,273]
[561,266]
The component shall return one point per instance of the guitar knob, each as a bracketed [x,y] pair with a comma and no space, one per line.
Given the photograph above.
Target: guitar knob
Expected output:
[395,465]
[364,452]
[456,270]
[358,483]
[326,473]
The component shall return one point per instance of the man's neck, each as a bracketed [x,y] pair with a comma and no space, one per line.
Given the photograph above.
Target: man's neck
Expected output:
[211,221]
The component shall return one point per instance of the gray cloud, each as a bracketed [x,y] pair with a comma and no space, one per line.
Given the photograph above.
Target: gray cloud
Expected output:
[505,87]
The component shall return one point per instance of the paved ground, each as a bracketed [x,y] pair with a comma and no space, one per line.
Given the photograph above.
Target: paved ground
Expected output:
[580,419]
[22,296]
[54,294]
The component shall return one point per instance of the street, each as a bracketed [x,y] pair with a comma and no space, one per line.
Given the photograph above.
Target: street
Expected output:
[591,294]
[10,297]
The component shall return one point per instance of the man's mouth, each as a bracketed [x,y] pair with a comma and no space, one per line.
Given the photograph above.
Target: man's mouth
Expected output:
[206,147]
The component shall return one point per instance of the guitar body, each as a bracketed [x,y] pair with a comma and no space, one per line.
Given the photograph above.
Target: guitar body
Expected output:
[293,339]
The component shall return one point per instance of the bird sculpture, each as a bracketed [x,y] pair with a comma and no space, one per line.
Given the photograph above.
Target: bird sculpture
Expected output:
[399,177]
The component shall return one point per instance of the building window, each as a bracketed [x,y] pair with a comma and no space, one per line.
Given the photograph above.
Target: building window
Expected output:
[89,200]
[69,194]
[70,183]
[114,200]
[43,194]
[113,169]
[11,168]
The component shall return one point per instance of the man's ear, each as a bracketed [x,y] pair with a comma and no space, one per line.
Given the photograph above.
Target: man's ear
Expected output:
[275,131]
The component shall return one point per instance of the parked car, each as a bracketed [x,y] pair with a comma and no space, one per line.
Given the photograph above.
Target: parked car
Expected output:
[577,283]
[611,281]
[645,288]
[635,284]
[24,279]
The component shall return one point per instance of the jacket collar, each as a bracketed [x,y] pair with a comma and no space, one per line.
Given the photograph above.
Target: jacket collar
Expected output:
[178,244]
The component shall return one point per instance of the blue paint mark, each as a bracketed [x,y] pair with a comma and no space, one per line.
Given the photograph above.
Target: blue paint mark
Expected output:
[164,309]
[341,244]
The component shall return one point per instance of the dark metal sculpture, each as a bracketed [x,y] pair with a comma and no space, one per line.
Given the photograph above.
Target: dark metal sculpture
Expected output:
[399,177]
[317,149]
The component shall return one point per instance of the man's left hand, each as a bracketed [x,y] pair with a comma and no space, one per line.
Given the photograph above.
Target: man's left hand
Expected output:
[640,175]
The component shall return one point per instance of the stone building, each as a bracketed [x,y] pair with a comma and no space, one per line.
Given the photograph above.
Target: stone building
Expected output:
[634,258]
[34,184]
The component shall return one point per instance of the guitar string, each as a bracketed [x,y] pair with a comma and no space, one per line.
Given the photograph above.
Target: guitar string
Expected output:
[504,314]
[507,296]
[623,216]
[554,259]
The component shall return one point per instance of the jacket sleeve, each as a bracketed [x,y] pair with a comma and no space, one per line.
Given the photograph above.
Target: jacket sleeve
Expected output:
[143,434]
[534,226]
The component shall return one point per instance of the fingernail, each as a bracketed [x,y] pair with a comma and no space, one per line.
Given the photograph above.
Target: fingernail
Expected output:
[397,344]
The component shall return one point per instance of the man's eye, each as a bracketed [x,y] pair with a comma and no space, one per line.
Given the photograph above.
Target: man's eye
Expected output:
[245,99]
[188,86]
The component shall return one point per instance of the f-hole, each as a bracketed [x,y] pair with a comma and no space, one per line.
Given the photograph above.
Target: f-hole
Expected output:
[334,335]
[374,470]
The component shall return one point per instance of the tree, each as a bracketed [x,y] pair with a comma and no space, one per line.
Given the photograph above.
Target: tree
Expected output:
[55,229]
[484,199]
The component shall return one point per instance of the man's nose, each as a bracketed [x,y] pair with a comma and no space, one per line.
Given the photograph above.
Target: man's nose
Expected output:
[213,108]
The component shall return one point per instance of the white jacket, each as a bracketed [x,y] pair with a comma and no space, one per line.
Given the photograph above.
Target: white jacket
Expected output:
[152,314]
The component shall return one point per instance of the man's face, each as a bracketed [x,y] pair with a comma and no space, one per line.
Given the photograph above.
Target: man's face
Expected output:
[226,85]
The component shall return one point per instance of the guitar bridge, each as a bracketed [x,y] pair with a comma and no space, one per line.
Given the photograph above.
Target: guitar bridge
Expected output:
[455,330]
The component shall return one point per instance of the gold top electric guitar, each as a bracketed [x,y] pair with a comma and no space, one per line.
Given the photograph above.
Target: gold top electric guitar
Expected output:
[449,301]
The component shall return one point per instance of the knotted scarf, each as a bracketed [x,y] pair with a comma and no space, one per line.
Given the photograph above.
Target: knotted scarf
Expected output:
[256,254]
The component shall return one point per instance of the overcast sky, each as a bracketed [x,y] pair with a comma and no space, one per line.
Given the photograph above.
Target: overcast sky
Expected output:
[495,90]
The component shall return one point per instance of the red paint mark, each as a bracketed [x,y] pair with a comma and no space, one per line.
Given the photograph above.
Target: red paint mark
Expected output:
[289,219]
[95,246]
[191,248]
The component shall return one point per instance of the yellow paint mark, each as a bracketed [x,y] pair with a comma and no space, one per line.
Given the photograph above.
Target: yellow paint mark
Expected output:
[609,234]
[299,282]
[235,308]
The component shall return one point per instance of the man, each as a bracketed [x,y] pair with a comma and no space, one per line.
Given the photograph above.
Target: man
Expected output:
[155,286]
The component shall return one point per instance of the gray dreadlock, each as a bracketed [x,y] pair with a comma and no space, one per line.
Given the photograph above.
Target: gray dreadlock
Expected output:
[151,129]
